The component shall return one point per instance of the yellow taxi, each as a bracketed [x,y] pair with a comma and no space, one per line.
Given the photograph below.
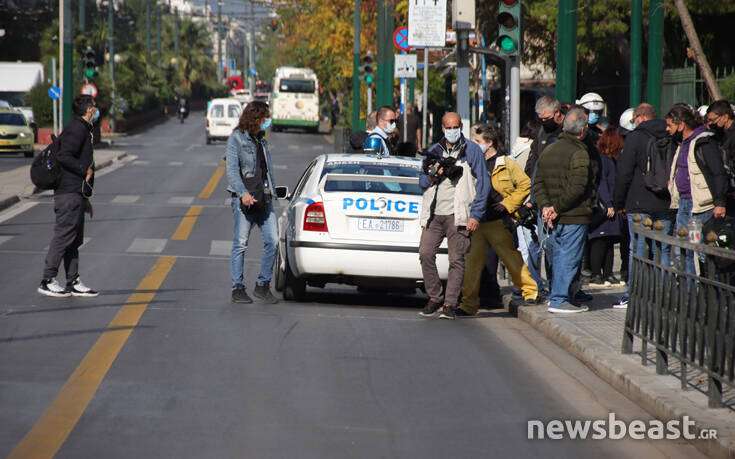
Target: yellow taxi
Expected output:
[15,134]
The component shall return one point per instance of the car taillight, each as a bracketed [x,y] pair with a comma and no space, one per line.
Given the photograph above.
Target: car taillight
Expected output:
[207,123]
[314,218]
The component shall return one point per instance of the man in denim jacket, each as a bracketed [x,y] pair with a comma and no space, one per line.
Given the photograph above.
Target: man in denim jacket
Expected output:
[248,161]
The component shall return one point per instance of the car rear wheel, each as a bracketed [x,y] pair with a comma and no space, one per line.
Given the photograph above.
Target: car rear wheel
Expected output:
[294,289]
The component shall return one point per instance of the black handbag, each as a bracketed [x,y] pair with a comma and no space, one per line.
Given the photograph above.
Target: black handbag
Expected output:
[257,191]
[599,214]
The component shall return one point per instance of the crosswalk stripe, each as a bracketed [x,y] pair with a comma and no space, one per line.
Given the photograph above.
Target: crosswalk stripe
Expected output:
[140,162]
[143,245]
[220,248]
[125,199]
[293,147]
[181,200]
[175,163]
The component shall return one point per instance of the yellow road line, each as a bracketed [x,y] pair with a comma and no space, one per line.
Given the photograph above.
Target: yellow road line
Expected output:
[209,189]
[56,423]
[187,224]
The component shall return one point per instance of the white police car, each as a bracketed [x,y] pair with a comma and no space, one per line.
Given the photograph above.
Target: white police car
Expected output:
[353,219]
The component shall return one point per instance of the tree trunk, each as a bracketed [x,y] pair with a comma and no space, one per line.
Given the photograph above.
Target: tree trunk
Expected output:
[697,54]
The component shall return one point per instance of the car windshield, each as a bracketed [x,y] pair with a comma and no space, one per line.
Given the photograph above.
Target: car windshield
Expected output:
[12,119]
[296,86]
[375,186]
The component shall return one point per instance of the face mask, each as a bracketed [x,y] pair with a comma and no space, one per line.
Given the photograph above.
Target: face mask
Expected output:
[678,137]
[266,124]
[718,131]
[483,147]
[452,135]
[390,128]
[96,115]
[549,125]
[594,118]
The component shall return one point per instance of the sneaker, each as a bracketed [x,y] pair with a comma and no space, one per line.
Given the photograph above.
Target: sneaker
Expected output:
[597,281]
[582,296]
[622,303]
[567,308]
[50,287]
[612,280]
[447,312]
[263,292]
[430,309]
[77,288]
[459,312]
[239,295]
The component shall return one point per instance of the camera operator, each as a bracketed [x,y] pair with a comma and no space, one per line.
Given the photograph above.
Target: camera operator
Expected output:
[456,185]
[509,187]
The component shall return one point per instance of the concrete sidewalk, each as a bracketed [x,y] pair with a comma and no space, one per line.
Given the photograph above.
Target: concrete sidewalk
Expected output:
[16,184]
[595,338]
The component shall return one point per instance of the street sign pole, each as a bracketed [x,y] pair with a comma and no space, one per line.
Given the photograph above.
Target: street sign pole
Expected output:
[369,99]
[425,98]
[55,101]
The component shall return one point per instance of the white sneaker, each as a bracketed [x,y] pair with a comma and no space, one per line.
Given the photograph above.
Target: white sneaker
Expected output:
[51,287]
[77,288]
[622,303]
[567,308]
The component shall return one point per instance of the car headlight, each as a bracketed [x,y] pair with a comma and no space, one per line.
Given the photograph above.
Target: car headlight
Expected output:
[24,135]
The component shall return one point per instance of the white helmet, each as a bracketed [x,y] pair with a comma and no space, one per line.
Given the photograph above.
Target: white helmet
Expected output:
[702,110]
[626,119]
[592,101]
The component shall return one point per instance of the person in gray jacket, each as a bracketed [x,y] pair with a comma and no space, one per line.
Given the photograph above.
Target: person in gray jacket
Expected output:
[456,185]
[250,177]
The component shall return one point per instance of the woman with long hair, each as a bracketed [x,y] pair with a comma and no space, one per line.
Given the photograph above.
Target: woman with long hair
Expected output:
[602,239]
[250,177]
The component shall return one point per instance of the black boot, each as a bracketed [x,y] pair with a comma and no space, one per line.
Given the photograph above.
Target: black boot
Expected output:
[239,295]
[264,293]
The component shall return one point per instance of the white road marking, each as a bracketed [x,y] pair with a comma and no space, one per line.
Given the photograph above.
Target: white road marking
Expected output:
[181,200]
[192,146]
[5,239]
[280,166]
[293,147]
[212,164]
[125,199]
[220,248]
[317,147]
[175,163]
[17,209]
[84,242]
[141,245]
[141,162]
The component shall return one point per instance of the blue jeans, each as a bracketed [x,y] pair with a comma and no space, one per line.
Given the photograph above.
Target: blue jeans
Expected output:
[531,253]
[664,216]
[243,225]
[682,218]
[566,244]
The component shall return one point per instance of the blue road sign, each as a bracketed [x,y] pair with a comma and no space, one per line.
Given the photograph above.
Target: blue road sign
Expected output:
[253,71]
[232,63]
[54,92]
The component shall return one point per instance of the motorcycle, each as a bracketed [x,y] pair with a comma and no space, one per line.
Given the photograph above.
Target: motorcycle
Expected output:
[183,113]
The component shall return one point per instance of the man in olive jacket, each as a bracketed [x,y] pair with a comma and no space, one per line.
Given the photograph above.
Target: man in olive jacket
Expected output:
[564,192]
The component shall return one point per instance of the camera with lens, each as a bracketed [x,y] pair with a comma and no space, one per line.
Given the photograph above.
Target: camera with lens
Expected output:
[527,217]
[434,163]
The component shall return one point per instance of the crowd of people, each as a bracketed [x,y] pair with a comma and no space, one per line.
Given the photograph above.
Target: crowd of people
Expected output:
[553,208]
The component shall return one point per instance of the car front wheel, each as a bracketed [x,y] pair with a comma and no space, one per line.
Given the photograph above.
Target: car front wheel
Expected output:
[279,277]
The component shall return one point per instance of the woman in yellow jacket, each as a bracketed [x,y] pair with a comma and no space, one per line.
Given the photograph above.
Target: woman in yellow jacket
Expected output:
[510,187]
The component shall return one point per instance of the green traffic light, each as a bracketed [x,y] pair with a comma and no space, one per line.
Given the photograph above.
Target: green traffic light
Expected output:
[369,79]
[507,44]
[89,73]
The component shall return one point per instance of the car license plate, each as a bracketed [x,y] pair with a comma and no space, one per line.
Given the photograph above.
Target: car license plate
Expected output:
[379,224]
[4,142]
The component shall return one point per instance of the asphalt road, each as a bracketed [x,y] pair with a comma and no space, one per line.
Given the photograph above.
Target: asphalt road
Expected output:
[162,364]
[10,161]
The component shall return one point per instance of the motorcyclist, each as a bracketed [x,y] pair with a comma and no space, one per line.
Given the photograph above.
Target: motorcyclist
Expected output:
[183,108]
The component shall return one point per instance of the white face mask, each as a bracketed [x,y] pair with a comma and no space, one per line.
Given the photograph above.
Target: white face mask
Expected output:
[390,128]
[452,135]
[483,147]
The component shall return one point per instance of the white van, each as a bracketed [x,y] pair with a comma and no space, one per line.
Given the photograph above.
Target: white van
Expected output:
[222,118]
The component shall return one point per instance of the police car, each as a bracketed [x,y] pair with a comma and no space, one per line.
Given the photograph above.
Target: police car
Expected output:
[353,219]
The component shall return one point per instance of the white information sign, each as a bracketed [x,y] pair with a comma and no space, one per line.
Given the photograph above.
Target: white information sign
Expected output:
[427,23]
[405,66]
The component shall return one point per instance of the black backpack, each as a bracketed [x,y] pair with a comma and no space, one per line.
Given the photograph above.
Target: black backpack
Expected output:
[659,156]
[45,168]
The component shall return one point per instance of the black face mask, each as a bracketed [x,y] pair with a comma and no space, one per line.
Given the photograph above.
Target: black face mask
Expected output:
[718,131]
[678,137]
[549,125]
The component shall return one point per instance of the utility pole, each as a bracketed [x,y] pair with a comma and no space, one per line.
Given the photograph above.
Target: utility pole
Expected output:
[147,31]
[384,84]
[176,31]
[356,71]
[111,48]
[219,41]
[425,99]
[636,46]
[566,61]
[65,58]
[655,53]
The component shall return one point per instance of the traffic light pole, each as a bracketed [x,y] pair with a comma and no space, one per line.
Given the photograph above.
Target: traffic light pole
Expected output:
[356,70]
[463,79]
[636,46]
[655,53]
[566,61]
[515,98]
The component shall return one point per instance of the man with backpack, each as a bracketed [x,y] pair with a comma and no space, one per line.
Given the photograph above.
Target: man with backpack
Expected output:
[76,160]
[645,160]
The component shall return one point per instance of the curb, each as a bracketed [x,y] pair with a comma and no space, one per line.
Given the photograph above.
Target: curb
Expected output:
[659,395]
[14,199]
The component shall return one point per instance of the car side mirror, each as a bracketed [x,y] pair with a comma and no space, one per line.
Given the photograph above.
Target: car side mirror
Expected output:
[282,192]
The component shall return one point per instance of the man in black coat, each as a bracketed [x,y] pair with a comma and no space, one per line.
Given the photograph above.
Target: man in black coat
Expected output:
[631,196]
[76,158]
[549,112]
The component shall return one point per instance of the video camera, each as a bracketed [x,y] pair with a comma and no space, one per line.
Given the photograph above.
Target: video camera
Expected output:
[435,162]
